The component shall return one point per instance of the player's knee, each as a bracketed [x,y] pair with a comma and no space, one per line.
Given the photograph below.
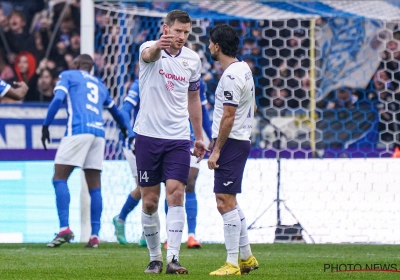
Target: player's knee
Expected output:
[176,197]
[149,205]
[224,205]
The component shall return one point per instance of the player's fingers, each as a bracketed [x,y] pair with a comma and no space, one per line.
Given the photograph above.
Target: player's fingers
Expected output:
[44,144]
[200,158]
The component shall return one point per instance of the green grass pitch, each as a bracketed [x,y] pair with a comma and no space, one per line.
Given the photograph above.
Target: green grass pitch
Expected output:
[114,261]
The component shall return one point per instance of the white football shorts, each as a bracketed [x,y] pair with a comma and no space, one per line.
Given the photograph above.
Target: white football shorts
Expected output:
[193,162]
[83,150]
[131,158]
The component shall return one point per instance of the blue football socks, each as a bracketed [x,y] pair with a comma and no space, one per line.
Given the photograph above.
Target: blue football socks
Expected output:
[191,211]
[96,207]
[129,205]
[63,199]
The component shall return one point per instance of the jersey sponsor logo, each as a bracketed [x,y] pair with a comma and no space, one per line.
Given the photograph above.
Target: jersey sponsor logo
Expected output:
[169,86]
[230,77]
[163,57]
[97,125]
[92,108]
[228,95]
[227,183]
[172,76]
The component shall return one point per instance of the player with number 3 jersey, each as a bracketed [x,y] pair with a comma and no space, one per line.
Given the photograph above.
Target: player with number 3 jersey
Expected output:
[83,143]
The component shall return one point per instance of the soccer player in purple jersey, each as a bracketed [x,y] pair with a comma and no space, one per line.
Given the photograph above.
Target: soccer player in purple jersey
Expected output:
[169,79]
[231,129]
[130,108]
[14,93]
[83,143]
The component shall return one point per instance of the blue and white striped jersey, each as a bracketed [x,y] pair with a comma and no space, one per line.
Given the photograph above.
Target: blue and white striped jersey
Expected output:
[4,88]
[85,96]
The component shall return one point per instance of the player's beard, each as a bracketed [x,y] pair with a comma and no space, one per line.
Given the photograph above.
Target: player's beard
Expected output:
[214,56]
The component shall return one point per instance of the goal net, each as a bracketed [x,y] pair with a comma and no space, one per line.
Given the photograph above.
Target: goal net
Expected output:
[327,78]
[326,73]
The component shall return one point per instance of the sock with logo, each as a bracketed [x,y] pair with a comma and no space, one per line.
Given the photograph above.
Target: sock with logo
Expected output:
[232,227]
[151,228]
[175,222]
[244,244]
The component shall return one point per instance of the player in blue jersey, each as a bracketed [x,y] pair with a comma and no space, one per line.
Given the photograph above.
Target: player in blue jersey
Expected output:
[83,143]
[14,93]
[132,104]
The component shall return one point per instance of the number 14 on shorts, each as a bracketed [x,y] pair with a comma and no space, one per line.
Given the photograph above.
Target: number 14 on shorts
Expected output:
[143,176]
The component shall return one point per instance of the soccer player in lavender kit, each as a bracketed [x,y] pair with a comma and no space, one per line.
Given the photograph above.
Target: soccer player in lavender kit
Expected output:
[83,143]
[130,109]
[169,93]
[232,124]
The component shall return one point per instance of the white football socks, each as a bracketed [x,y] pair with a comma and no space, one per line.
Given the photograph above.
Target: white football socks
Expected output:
[175,222]
[232,228]
[244,244]
[151,228]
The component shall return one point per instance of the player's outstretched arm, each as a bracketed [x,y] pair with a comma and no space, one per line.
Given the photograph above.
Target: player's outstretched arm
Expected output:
[153,53]
[119,118]
[19,92]
[51,113]
[126,112]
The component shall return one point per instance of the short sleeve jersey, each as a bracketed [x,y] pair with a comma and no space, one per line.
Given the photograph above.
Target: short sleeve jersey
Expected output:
[85,96]
[235,88]
[4,88]
[164,86]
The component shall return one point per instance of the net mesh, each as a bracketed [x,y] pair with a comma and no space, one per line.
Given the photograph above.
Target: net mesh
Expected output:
[327,78]
[352,111]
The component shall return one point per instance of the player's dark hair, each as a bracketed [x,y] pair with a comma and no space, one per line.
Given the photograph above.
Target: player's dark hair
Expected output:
[85,62]
[178,15]
[227,38]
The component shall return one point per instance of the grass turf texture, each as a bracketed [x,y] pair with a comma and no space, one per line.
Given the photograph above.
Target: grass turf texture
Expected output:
[114,261]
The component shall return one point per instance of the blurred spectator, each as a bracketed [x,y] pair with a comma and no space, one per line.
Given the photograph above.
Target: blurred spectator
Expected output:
[250,47]
[46,83]
[382,81]
[28,9]
[6,72]
[344,98]
[17,37]
[75,44]
[388,106]
[69,58]
[25,67]
[3,20]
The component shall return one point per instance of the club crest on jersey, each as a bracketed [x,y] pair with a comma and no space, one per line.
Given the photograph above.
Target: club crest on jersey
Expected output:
[185,63]
[228,95]
[169,86]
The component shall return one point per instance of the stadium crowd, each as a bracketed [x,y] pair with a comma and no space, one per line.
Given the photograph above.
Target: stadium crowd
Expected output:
[39,39]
